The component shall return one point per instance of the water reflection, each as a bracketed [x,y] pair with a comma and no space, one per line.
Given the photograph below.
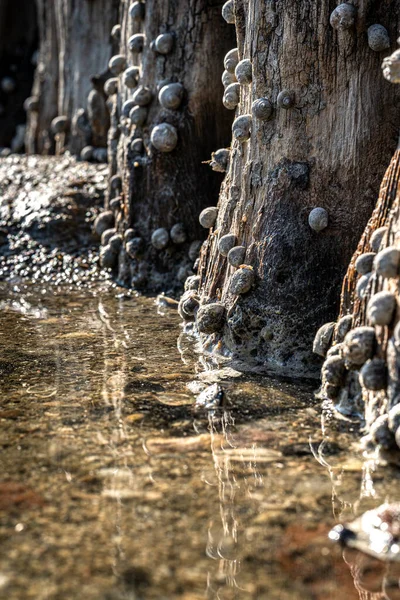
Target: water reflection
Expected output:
[113,487]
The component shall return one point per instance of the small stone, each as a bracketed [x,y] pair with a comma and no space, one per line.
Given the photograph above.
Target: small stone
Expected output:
[208,216]
[31,104]
[387,262]
[318,219]
[59,124]
[236,256]
[381,307]
[242,280]
[231,96]
[378,38]
[137,11]
[137,146]
[178,234]
[373,375]
[127,107]
[376,239]
[335,350]
[116,32]
[210,318]
[160,238]
[323,339]
[364,263]
[111,86]
[358,346]
[171,96]
[226,243]
[136,43]
[129,234]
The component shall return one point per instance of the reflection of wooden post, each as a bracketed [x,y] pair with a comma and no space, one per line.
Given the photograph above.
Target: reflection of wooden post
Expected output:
[323,143]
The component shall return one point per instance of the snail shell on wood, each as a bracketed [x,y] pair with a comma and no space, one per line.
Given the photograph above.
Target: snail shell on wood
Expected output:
[318,219]
[129,234]
[228,12]
[362,285]
[242,280]
[231,60]
[142,96]
[343,327]
[31,104]
[387,262]
[134,246]
[178,233]
[127,107]
[381,308]
[210,318]
[333,370]
[117,64]
[244,71]
[373,375]
[227,78]
[219,160]
[391,67]
[115,242]
[394,417]
[236,256]
[226,243]
[115,204]
[111,86]
[376,238]
[231,96]
[138,115]
[160,238]
[378,38]
[208,216]
[59,124]
[164,137]
[115,182]
[100,155]
[116,32]
[364,263]
[130,77]
[188,305]
[241,128]
[87,153]
[381,434]
[108,257]
[104,221]
[285,99]
[192,283]
[262,109]
[358,346]
[323,339]
[164,43]
[137,146]
[194,249]
[107,235]
[137,11]
[136,43]
[343,17]
[171,95]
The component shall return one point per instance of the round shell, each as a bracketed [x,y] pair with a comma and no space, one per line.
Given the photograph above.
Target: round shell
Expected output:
[164,137]
[108,257]
[380,432]
[87,153]
[142,96]
[228,12]
[100,155]
[219,160]
[323,339]
[31,104]
[364,263]
[227,78]
[192,283]
[391,67]
[111,86]
[115,242]
[381,308]
[137,11]
[318,219]
[138,115]
[343,17]
[358,346]
[104,221]
[286,99]
[262,109]
[373,375]
[244,71]
[160,238]
[116,32]
[117,64]
[362,285]
[334,370]
[376,238]
[115,182]
[134,246]
[387,262]
[171,96]
[343,327]
[127,107]
[164,43]
[208,216]
[231,60]
[231,96]
[241,128]
[130,77]
[236,256]
[226,243]
[136,43]
[59,124]
[241,281]
[210,318]
[378,38]
[188,305]
[107,235]
[194,249]
[178,233]
[137,146]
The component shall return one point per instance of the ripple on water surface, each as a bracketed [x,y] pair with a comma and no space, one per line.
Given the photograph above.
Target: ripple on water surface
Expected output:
[112,486]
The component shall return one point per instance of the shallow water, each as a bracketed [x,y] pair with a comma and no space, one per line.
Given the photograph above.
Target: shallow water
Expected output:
[112,486]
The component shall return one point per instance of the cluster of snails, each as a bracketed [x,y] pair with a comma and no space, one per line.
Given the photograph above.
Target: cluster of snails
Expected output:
[343,18]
